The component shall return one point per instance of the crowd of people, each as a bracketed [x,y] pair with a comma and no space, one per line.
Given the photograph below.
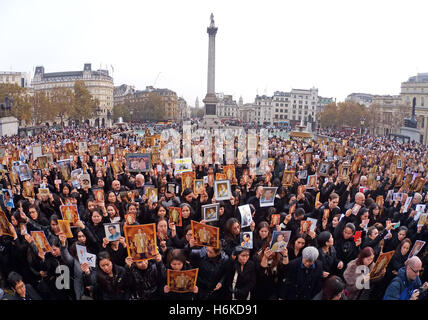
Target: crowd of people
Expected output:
[332,261]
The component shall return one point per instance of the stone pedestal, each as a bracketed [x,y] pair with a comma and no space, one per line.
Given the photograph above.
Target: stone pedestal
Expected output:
[412,133]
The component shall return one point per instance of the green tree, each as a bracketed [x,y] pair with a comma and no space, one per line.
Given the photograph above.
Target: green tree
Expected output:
[21,107]
[85,105]
[121,110]
[62,103]
[42,107]
[328,117]
[151,107]
[347,113]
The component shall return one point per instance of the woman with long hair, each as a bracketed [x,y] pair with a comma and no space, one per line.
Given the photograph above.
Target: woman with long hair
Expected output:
[364,262]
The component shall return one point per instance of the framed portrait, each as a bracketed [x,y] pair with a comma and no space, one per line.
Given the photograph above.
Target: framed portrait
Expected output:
[275,219]
[41,241]
[44,192]
[83,147]
[50,158]
[37,151]
[75,178]
[171,188]
[220,176]
[98,194]
[229,171]
[246,216]
[14,178]
[156,157]
[271,162]
[356,163]
[313,223]
[381,264]
[417,247]
[305,226]
[344,171]
[65,169]
[182,281]
[199,186]
[37,176]
[141,241]
[129,218]
[288,178]
[222,190]
[152,194]
[308,158]
[7,198]
[422,220]
[112,231]
[399,163]
[418,184]
[138,162]
[175,216]
[210,212]
[117,167]
[5,229]
[246,239]
[183,165]
[64,226]
[280,240]
[323,169]
[129,196]
[187,180]
[94,149]
[312,182]
[69,147]
[24,172]
[267,198]
[303,175]
[70,213]
[85,180]
[99,164]
[205,235]
[28,189]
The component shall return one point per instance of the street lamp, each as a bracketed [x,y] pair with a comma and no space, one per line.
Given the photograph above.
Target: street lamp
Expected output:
[362,124]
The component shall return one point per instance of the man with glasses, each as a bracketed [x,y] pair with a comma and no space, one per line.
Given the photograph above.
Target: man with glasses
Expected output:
[406,285]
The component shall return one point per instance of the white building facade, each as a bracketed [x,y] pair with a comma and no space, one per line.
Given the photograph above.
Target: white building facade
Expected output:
[99,84]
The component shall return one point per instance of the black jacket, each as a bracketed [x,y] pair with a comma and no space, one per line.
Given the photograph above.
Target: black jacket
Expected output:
[245,282]
[301,283]
[146,284]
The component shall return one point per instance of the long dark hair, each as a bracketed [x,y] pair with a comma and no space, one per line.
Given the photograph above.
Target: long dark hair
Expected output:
[364,253]
[332,287]
[228,234]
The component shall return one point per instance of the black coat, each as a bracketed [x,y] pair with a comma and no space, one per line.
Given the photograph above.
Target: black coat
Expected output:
[146,284]
[211,271]
[245,282]
[301,283]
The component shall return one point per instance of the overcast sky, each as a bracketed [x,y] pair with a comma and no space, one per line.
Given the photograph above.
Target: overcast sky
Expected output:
[339,47]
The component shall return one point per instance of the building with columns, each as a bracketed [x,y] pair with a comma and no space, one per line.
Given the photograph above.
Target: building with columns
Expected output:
[417,87]
[99,84]
[227,108]
[170,101]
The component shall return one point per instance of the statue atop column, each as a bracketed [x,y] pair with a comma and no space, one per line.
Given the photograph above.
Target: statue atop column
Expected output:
[212,21]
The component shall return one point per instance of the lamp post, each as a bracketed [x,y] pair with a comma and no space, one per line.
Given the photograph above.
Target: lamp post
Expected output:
[362,124]
[98,115]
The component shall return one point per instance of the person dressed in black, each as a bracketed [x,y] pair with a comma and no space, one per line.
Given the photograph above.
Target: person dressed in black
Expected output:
[303,277]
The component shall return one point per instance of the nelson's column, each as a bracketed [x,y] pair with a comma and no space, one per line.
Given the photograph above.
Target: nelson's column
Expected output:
[210,118]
